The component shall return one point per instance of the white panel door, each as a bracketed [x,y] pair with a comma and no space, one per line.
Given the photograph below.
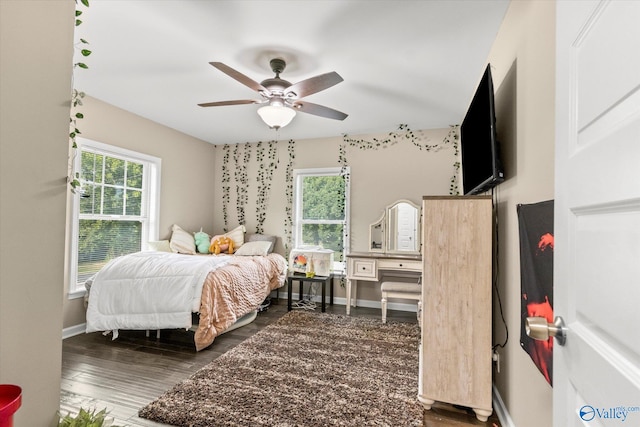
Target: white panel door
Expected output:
[597,217]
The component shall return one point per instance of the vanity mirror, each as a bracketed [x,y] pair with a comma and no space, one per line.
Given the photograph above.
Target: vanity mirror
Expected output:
[397,230]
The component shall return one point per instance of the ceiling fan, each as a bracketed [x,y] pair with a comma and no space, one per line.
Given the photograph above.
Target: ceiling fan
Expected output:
[283,99]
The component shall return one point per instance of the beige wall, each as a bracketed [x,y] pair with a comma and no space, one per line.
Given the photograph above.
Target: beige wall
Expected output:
[187,190]
[36,47]
[523,60]
[378,177]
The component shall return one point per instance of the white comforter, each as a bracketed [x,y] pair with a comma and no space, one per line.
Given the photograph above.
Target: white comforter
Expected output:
[149,290]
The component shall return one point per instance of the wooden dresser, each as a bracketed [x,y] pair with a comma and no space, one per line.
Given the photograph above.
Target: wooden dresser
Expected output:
[455,352]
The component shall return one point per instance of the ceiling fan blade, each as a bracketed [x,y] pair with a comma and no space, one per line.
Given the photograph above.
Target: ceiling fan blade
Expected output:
[221,103]
[313,85]
[319,110]
[247,81]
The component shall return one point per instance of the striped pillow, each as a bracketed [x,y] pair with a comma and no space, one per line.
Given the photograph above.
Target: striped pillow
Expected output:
[182,242]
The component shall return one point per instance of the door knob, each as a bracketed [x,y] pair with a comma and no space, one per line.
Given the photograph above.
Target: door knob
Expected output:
[538,329]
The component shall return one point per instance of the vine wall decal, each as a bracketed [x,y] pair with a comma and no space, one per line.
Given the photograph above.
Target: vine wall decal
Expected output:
[288,220]
[404,133]
[266,164]
[265,176]
[226,185]
[241,178]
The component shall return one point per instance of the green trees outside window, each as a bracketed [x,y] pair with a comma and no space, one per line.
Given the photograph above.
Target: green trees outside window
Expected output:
[322,211]
[110,220]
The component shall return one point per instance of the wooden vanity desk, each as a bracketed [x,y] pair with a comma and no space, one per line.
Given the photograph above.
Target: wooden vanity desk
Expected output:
[394,247]
[371,266]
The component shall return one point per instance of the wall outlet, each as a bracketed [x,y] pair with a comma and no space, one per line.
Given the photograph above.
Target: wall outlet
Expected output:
[496,360]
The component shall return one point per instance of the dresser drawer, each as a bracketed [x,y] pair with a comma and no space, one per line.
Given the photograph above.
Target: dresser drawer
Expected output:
[400,265]
[363,269]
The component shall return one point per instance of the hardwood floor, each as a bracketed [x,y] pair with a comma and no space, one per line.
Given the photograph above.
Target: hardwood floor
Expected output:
[128,373]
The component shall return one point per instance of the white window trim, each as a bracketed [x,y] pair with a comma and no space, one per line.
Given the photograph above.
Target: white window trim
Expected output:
[152,175]
[339,267]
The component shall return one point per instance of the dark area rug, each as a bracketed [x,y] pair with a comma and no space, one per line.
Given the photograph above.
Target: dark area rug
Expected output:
[306,369]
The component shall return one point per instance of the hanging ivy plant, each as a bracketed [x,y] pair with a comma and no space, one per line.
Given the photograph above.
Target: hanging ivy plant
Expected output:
[76,101]
[81,42]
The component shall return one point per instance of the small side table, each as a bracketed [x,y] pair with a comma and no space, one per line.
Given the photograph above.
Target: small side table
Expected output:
[325,280]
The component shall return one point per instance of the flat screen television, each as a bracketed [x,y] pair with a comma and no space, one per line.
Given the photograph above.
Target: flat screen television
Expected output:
[481,165]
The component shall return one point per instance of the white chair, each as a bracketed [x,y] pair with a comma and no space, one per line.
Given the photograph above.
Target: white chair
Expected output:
[402,290]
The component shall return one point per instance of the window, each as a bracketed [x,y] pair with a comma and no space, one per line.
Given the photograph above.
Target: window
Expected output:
[117,210]
[321,211]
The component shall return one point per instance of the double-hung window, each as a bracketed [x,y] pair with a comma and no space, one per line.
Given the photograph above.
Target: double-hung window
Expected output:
[116,209]
[321,212]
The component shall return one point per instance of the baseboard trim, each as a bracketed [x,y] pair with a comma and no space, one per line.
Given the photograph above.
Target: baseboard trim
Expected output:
[501,410]
[411,307]
[72,331]
[282,296]
[81,328]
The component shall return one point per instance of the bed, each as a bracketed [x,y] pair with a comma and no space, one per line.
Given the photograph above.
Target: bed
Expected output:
[156,290]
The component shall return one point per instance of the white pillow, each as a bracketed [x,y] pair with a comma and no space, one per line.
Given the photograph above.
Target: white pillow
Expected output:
[253,249]
[237,235]
[159,246]
[262,238]
[182,242]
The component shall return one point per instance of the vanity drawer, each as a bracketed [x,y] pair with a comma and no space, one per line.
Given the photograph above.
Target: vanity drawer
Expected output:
[400,265]
[363,269]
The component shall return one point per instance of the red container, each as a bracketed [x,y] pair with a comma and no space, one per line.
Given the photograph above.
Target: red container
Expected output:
[10,400]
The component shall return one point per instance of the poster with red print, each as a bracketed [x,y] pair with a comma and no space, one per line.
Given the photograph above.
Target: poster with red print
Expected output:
[536,278]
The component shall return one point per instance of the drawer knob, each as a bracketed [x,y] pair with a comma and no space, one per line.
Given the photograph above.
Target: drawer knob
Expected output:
[400,265]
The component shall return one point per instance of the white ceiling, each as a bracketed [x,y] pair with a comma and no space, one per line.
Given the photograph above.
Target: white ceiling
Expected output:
[413,62]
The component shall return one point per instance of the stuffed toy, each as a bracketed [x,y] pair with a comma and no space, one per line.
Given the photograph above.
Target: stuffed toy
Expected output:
[202,241]
[221,244]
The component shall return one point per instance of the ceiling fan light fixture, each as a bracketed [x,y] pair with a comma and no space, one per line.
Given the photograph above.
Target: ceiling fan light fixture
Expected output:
[276,116]
[282,97]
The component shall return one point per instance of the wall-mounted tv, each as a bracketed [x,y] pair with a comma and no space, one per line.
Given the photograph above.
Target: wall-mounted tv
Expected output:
[481,165]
